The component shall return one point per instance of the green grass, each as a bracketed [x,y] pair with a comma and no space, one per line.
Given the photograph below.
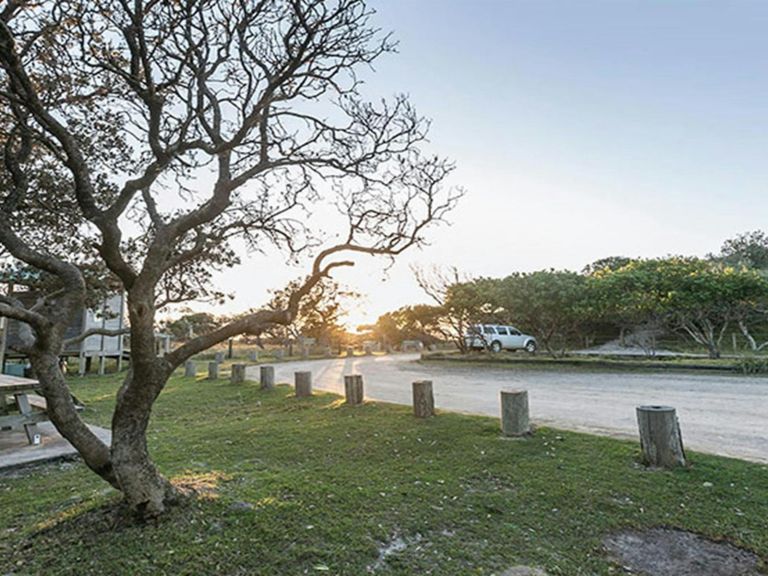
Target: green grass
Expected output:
[755,364]
[313,487]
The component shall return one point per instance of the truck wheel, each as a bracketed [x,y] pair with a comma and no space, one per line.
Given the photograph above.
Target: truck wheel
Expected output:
[495,346]
[530,347]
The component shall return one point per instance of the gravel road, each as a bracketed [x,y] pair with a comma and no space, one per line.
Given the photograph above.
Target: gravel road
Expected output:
[719,414]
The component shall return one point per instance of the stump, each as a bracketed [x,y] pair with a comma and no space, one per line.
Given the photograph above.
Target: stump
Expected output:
[660,440]
[303,384]
[253,355]
[423,399]
[190,369]
[515,420]
[219,357]
[353,389]
[238,374]
[213,370]
[267,377]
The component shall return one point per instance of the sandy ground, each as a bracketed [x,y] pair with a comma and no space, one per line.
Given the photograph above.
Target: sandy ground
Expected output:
[719,414]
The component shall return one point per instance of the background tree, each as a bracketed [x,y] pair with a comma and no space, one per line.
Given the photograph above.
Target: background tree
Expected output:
[749,249]
[319,314]
[551,304]
[697,298]
[161,133]
[460,301]
[421,322]
[191,324]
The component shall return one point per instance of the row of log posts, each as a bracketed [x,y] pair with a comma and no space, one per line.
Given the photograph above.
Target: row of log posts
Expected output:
[661,442]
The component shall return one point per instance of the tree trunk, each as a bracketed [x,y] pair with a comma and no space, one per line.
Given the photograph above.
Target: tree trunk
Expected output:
[146,491]
[64,416]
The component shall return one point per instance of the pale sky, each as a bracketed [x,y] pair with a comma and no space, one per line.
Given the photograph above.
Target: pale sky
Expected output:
[580,130]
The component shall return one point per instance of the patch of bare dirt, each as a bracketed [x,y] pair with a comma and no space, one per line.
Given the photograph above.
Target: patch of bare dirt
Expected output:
[666,552]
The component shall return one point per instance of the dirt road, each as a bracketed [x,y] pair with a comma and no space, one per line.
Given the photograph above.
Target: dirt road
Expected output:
[720,414]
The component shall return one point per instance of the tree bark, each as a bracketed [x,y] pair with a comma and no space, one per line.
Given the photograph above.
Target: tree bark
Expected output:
[64,416]
[146,491]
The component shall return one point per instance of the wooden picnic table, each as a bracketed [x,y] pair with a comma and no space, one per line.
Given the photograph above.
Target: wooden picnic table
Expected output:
[20,389]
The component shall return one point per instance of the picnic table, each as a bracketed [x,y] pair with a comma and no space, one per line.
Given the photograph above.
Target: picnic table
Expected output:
[19,413]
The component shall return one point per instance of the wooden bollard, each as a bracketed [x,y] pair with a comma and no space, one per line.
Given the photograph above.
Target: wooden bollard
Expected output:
[267,377]
[368,351]
[660,440]
[190,369]
[238,374]
[253,355]
[328,352]
[213,370]
[423,399]
[303,384]
[515,419]
[219,357]
[305,353]
[278,354]
[350,352]
[353,389]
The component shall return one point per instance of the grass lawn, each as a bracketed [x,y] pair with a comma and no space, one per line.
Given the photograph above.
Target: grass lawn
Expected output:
[315,487]
[757,364]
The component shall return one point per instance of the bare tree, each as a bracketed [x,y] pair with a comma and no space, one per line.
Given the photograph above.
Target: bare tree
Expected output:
[457,312]
[161,133]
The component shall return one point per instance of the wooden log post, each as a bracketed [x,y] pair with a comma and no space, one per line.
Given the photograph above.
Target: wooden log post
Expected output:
[305,353]
[515,419]
[219,357]
[190,369]
[279,354]
[328,352]
[423,399]
[253,355]
[213,370]
[267,377]
[303,384]
[238,374]
[350,352]
[368,351]
[660,440]
[353,389]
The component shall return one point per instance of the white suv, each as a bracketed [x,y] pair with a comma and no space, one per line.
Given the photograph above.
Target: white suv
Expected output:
[499,338]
